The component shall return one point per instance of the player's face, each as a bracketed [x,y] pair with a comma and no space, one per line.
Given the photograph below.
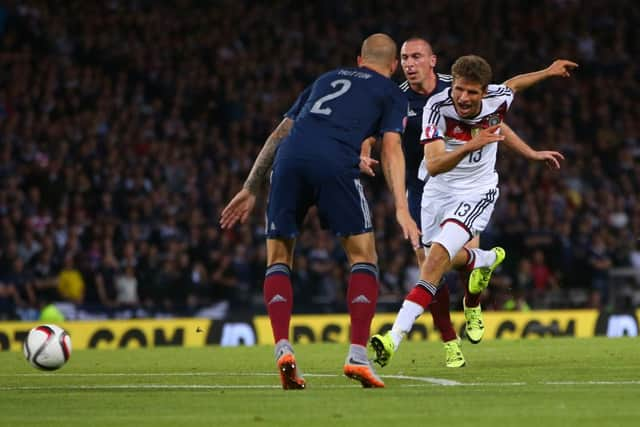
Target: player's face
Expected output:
[417,61]
[467,97]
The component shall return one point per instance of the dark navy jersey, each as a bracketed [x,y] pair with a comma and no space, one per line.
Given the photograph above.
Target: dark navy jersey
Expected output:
[413,150]
[337,112]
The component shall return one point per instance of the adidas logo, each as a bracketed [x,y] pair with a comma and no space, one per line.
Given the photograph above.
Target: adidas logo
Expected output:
[277,298]
[411,113]
[360,299]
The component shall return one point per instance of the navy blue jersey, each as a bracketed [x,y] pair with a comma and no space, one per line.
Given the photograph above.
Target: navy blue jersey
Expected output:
[413,150]
[337,112]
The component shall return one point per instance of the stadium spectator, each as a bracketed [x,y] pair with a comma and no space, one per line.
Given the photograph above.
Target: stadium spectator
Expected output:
[600,262]
[71,286]
[96,98]
[127,288]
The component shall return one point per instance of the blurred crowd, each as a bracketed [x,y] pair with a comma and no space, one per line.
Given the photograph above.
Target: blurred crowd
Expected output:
[125,126]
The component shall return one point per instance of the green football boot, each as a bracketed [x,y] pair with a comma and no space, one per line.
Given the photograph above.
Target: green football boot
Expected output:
[479,278]
[384,348]
[453,354]
[474,328]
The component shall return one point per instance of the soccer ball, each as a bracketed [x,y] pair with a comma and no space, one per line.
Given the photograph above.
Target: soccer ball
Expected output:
[47,347]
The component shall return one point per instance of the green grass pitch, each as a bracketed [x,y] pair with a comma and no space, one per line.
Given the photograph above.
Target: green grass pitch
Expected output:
[537,382]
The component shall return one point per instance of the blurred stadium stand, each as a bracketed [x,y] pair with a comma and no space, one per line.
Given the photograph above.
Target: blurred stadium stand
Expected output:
[126,125]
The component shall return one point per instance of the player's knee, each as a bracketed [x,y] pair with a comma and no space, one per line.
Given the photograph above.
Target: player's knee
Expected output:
[279,252]
[438,256]
[367,256]
[361,248]
[422,254]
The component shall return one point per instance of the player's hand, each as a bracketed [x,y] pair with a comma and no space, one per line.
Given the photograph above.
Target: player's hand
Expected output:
[409,228]
[551,158]
[238,209]
[367,164]
[484,137]
[561,68]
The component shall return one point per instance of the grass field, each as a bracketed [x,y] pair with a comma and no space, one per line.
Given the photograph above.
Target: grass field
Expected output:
[542,383]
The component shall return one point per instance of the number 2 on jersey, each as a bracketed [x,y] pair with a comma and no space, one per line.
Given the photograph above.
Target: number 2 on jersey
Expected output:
[344,84]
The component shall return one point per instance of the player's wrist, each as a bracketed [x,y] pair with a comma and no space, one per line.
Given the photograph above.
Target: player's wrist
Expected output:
[252,187]
[535,155]
[402,209]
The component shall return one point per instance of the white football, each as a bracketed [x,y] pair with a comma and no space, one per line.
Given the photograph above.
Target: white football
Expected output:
[47,347]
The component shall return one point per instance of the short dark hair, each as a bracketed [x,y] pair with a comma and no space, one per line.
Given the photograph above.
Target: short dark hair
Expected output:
[419,38]
[473,68]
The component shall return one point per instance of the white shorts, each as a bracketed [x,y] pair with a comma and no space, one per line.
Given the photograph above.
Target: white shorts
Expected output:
[472,211]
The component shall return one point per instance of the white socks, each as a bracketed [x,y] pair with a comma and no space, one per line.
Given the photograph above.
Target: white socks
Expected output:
[405,319]
[483,258]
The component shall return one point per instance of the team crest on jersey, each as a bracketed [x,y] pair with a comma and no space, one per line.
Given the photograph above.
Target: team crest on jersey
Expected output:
[491,120]
[495,117]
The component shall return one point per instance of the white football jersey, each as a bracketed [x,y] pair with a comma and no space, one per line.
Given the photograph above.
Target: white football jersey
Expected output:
[441,121]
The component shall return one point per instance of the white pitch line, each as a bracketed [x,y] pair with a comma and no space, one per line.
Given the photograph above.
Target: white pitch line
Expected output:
[438,381]
[186,387]
[139,386]
[146,374]
[172,387]
[424,381]
[273,387]
[592,382]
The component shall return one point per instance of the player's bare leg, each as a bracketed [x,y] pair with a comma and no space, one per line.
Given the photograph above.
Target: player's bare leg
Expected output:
[439,260]
[362,296]
[415,303]
[278,297]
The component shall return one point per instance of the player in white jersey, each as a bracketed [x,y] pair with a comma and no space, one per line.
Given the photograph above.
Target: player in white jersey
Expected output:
[461,131]
[441,121]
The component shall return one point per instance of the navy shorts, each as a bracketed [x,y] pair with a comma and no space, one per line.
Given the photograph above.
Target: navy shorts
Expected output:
[298,185]
[414,198]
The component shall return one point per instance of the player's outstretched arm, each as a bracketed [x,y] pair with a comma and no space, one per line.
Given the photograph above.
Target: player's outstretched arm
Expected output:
[393,166]
[258,176]
[439,160]
[517,144]
[239,208]
[366,161]
[559,68]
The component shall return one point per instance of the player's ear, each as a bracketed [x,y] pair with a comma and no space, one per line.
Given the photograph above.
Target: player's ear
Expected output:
[394,66]
[433,61]
[359,61]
